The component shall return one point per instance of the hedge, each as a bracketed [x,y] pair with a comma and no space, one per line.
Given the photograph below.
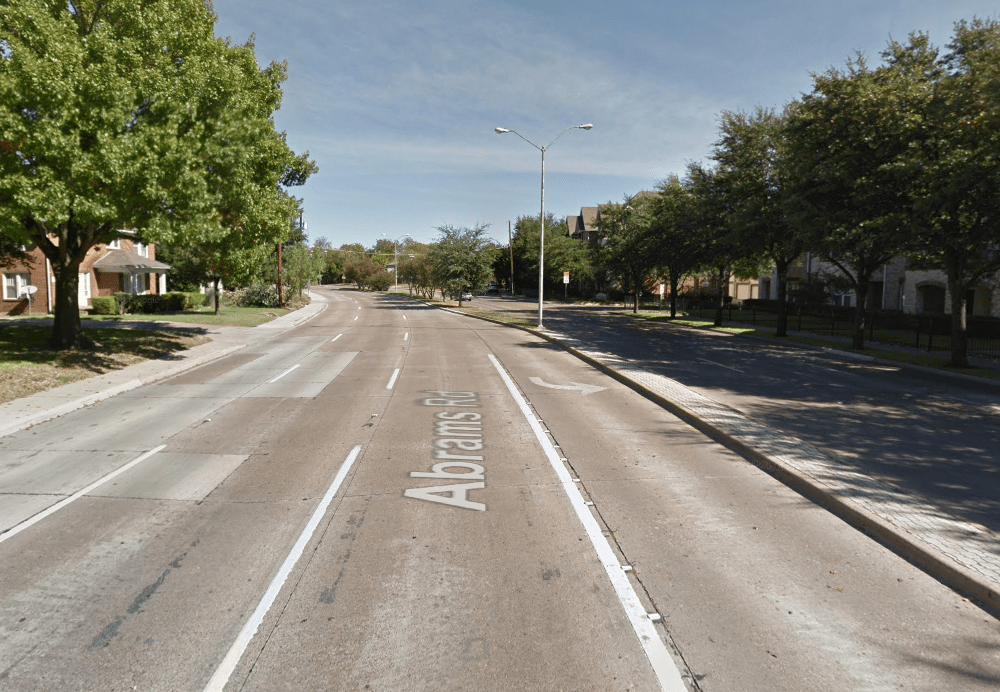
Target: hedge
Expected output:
[104,305]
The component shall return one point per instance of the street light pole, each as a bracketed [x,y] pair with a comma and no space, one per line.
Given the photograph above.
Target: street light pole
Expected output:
[395,260]
[541,240]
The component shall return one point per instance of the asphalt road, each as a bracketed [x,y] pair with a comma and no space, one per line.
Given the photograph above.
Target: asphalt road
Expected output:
[393,497]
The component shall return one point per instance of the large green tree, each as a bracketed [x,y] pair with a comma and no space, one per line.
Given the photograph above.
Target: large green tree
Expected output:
[749,157]
[462,259]
[562,254]
[849,145]
[957,172]
[630,247]
[128,114]
[676,230]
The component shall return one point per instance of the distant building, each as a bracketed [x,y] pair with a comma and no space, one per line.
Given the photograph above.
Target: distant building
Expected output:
[899,285]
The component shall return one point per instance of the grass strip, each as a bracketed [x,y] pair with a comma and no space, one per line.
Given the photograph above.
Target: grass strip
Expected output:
[28,366]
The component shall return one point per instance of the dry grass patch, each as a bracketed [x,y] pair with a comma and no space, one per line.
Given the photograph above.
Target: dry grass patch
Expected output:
[27,365]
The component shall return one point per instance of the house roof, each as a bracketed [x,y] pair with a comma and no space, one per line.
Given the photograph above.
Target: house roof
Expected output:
[125,262]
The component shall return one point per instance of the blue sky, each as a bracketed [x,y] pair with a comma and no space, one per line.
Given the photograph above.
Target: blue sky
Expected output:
[397,100]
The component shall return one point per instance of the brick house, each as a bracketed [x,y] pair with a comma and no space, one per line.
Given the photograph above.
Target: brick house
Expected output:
[123,265]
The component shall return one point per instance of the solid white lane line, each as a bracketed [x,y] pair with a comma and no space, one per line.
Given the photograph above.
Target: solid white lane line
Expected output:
[335,338]
[392,380]
[228,665]
[79,493]
[406,336]
[663,665]
[283,374]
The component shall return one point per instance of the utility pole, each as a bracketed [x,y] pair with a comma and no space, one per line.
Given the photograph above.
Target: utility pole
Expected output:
[280,301]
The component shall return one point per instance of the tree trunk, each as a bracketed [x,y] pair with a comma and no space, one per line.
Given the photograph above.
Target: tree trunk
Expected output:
[858,337]
[66,330]
[722,297]
[959,325]
[635,292]
[781,328]
[674,280]
[65,259]
[215,293]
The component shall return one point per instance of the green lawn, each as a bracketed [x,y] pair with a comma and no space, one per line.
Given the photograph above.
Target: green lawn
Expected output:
[229,315]
[28,366]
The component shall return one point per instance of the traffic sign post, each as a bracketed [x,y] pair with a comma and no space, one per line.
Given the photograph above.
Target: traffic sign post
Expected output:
[565,285]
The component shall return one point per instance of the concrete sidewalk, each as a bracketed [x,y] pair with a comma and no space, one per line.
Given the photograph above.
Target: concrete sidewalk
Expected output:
[23,413]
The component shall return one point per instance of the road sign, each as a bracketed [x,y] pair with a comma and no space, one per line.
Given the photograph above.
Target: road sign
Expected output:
[565,277]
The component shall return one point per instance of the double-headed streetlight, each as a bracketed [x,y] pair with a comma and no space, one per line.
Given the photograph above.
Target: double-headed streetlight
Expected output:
[541,242]
[395,259]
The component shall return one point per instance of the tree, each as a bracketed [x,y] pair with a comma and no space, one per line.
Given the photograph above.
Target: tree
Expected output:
[722,250]
[630,247]
[462,259]
[849,144]
[333,265]
[750,167]
[118,115]
[562,254]
[418,273]
[957,190]
[679,246]
[301,266]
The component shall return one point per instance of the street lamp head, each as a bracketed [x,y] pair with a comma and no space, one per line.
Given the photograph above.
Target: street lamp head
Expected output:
[501,130]
[585,127]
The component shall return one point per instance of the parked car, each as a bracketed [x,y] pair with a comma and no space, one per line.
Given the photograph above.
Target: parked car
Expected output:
[493,287]
[466,295]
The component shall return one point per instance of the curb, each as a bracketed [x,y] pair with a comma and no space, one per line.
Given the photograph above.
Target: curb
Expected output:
[953,575]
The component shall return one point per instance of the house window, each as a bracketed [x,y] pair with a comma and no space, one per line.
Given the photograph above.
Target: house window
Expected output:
[13,283]
[140,248]
[115,244]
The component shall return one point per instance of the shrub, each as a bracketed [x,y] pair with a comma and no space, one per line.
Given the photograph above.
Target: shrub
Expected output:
[196,299]
[174,302]
[259,296]
[177,300]
[141,304]
[148,304]
[104,305]
[125,303]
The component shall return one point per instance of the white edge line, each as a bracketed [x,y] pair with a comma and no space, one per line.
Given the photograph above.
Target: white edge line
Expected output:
[283,374]
[335,338]
[228,665]
[78,494]
[663,665]
[406,336]
[392,380]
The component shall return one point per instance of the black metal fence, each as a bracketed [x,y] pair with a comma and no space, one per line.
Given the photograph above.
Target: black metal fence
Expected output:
[926,332]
